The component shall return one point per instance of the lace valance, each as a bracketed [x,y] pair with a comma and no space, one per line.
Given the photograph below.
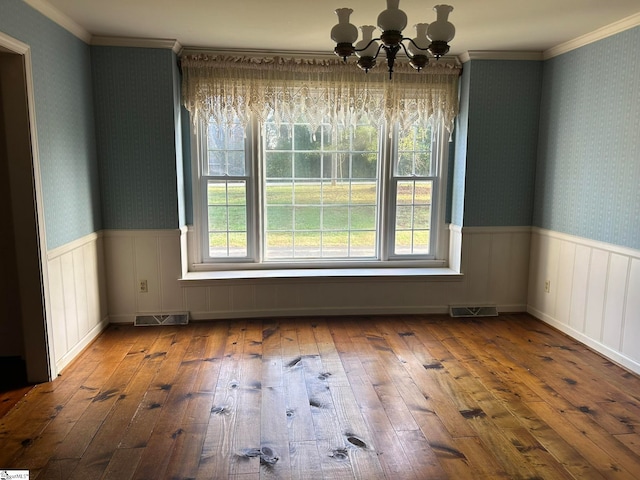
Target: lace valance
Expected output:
[221,87]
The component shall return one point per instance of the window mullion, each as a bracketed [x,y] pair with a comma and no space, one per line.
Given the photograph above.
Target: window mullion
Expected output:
[386,202]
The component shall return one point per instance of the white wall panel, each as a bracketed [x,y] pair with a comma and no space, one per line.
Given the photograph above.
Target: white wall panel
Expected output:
[172,299]
[70,306]
[563,287]
[495,266]
[76,284]
[80,289]
[602,282]
[120,275]
[56,293]
[614,303]
[598,269]
[147,268]
[476,266]
[499,269]
[631,331]
[198,299]
[579,287]
[518,268]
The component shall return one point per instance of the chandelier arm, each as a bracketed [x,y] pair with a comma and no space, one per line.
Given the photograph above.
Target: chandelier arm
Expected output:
[406,52]
[368,45]
[414,44]
[378,52]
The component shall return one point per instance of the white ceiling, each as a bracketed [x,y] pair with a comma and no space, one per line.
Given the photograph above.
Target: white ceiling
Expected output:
[304,25]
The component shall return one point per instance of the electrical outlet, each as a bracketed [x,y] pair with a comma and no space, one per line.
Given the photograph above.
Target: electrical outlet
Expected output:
[547,286]
[143,287]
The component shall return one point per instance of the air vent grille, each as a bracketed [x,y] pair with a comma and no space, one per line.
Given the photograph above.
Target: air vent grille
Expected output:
[161,319]
[475,311]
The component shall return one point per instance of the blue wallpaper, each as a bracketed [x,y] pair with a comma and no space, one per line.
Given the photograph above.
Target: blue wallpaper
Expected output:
[589,152]
[65,122]
[136,125]
[501,144]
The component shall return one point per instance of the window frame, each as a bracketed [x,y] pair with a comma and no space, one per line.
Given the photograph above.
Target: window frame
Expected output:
[199,260]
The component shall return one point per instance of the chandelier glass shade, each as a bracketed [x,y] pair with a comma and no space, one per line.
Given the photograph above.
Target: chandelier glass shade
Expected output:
[431,38]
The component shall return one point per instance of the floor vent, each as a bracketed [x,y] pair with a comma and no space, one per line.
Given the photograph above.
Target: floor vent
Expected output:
[170,319]
[483,311]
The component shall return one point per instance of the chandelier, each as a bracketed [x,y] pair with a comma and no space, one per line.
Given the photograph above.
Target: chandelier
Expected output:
[433,38]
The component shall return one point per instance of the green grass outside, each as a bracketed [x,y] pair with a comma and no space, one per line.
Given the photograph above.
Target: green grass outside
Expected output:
[307,208]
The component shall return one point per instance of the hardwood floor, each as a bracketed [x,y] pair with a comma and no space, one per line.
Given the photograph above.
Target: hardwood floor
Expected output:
[403,397]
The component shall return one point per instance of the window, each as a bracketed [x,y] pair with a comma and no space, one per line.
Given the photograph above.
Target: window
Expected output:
[276,194]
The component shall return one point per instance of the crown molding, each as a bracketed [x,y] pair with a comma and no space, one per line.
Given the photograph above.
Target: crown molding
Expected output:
[60,18]
[499,55]
[163,43]
[601,33]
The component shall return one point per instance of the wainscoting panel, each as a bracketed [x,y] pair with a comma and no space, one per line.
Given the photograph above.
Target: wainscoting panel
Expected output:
[76,288]
[594,292]
[495,263]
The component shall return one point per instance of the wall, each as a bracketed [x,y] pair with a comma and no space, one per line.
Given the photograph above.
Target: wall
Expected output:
[588,168]
[65,158]
[65,124]
[495,264]
[498,142]
[587,202]
[138,130]
[78,296]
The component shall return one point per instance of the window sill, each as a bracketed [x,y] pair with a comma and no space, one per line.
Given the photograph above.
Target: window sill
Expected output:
[319,274]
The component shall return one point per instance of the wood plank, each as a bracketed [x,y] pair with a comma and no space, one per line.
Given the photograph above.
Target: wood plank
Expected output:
[393,397]
[305,461]
[246,434]
[217,446]
[299,417]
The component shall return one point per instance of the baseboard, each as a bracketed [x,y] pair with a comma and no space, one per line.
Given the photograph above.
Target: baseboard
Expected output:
[81,345]
[609,353]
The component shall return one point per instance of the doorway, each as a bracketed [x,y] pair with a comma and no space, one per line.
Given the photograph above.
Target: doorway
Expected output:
[23,320]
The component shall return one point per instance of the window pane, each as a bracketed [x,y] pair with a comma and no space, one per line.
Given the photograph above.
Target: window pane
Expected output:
[308,193]
[405,193]
[413,217]
[279,193]
[225,145]
[363,217]
[404,217]
[306,165]
[335,244]
[218,218]
[307,218]
[414,152]
[332,194]
[227,218]
[363,244]
[421,216]
[307,244]
[279,165]
[238,244]
[364,193]
[335,218]
[336,194]
[237,193]
[218,244]
[421,242]
[279,218]
[279,245]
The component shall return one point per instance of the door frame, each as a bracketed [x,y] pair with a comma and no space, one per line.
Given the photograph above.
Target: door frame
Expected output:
[37,324]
